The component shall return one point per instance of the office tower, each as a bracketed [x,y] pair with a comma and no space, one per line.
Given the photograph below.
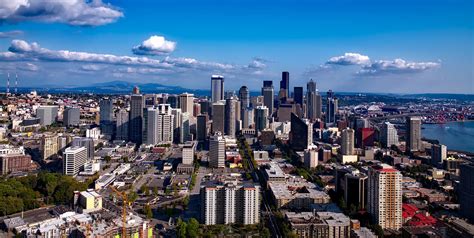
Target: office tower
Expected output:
[186,102]
[247,117]
[150,100]
[268,96]
[201,130]
[347,142]
[366,137]
[261,118]
[244,97]
[178,130]
[331,107]
[71,116]
[188,152]
[135,124]
[413,134]
[173,101]
[388,135]
[187,136]
[313,101]
[106,117]
[466,191]
[285,85]
[284,112]
[49,146]
[47,114]
[218,117]
[384,201]
[217,88]
[298,95]
[217,151]
[230,203]
[122,125]
[160,124]
[310,158]
[205,107]
[85,142]
[439,153]
[196,109]
[74,159]
[355,190]
[230,116]
[301,134]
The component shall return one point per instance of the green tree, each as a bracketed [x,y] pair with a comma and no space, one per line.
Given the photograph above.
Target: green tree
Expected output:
[181,228]
[192,228]
[148,211]
[265,233]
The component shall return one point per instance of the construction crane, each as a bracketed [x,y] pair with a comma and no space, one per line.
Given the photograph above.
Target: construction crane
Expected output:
[124,209]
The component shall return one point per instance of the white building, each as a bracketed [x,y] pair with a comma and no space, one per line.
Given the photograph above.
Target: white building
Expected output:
[347,142]
[311,158]
[160,124]
[217,151]
[388,134]
[385,196]
[186,102]
[74,160]
[230,203]
[188,152]
[47,114]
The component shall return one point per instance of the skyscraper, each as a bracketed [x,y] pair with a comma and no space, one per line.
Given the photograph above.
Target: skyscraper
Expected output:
[385,196]
[186,102]
[160,124]
[71,116]
[122,125]
[136,118]
[413,134]
[74,159]
[298,95]
[244,97]
[388,135]
[439,153]
[217,151]
[201,127]
[47,114]
[268,95]
[331,107]
[247,117]
[230,116]
[301,134]
[87,143]
[178,130]
[218,117]
[466,191]
[261,118]
[347,142]
[217,88]
[313,100]
[285,83]
[106,110]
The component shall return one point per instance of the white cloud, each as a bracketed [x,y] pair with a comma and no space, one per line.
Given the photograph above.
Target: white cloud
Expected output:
[10,34]
[72,12]
[396,66]
[91,67]
[349,59]
[155,45]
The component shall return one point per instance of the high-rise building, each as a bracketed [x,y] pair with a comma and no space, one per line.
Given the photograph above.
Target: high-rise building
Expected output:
[247,117]
[178,130]
[106,117]
[301,134]
[311,158]
[466,191]
[173,101]
[122,125]
[217,151]
[160,124]
[268,95]
[188,152]
[47,114]
[230,116]
[284,112]
[201,127]
[218,117]
[186,102]
[331,107]
[187,136]
[313,101]
[384,202]
[413,134]
[355,190]
[14,163]
[244,97]
[71,116]
[284,86]
[230,203]
[85,142]
[74,159]
[366,137]
[135,124]
[347,142]
[217,88]
[49,146]
[261,118]
[439,153]
[388,135]
[298,95]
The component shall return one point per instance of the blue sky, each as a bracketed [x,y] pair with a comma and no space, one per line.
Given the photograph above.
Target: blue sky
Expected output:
[363,46]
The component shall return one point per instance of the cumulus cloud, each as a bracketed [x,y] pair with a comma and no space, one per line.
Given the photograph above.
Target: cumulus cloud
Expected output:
[257,64]
[349,59]
[10,34]
[91,67]
[396,66]
[155,45]
[72,12]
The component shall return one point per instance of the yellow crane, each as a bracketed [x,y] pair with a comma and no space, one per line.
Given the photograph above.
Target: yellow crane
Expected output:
[124,209]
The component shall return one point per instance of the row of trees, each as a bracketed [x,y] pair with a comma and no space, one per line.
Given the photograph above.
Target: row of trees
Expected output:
[33,191]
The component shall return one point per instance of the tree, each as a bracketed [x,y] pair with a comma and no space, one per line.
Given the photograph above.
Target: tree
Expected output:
[148,211]
[192,228]
[107,159]
[265,233]
[181,228]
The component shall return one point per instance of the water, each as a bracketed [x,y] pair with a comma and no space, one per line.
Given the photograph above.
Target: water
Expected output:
[455,135]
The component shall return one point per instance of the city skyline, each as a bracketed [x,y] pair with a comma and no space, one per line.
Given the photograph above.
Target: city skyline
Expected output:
[183,45]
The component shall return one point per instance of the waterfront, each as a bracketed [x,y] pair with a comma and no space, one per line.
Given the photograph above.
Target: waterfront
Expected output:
[455,135]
